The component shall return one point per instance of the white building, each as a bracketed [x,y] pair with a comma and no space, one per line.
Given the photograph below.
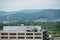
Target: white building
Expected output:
[54,37]
[22,33]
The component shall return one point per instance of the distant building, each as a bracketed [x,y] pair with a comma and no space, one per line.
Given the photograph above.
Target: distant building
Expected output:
[22,33]
[54,37]
[41,20]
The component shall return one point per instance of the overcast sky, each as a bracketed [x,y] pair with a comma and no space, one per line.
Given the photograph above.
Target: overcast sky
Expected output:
[15,5]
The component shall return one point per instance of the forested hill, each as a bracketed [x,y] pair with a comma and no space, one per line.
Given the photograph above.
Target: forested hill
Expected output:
[30,15]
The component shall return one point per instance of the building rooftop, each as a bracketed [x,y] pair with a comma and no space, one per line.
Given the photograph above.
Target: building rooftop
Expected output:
[22,28]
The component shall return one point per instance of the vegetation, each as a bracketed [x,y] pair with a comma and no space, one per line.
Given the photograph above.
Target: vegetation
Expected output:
[30,15]
[1,26]
[51,27]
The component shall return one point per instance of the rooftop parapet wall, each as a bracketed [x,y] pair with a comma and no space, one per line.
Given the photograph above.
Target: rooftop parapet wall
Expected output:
[21,28]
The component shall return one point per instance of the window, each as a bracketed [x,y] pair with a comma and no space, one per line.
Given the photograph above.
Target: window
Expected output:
[12,37]
[37,33]
[21,33]
[21,37]
[29,33]
[12,33]
[4,33]
[4,37]
[37,37]
[29,37]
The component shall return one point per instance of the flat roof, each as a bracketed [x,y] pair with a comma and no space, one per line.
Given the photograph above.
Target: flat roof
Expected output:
[20,28]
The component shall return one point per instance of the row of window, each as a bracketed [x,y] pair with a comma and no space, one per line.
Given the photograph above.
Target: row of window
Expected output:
[21,37]
[21,33]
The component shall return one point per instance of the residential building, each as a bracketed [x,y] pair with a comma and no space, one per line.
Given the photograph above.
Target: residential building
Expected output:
[54,37]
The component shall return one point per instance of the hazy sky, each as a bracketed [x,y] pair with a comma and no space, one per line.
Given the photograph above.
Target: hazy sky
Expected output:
[14,5]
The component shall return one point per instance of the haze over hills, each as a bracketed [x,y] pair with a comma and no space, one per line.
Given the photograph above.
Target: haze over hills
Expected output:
[31,15]
[2,13]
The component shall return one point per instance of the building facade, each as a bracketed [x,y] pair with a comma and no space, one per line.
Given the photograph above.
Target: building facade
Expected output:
[54,37]
[22,33]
